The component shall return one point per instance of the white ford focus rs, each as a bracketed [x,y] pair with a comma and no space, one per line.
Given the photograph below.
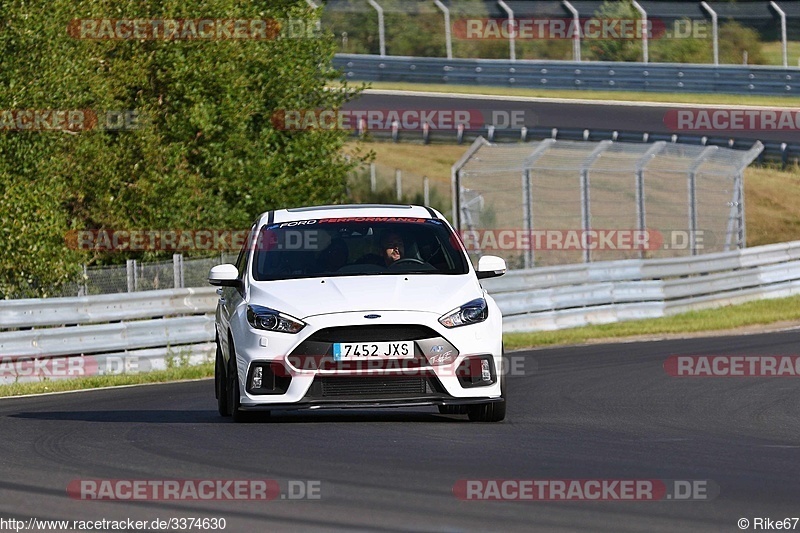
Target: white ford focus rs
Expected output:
[357,306]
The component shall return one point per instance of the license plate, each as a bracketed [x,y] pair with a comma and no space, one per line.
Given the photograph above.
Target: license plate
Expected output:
[352,351]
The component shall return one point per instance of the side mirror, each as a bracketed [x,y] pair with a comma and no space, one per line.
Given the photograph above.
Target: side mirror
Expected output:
[224,276]
[491,266]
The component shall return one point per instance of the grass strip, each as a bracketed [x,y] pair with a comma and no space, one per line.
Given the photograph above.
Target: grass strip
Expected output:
[92,382]
[631,96]
[755,313]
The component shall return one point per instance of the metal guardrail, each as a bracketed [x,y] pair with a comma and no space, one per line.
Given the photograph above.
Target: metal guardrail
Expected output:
[36,313]
[90,335]
[603,292]
[597,75]
[774,151]
[105,333]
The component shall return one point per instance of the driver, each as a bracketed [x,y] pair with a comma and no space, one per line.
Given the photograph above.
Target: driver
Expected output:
[392,248]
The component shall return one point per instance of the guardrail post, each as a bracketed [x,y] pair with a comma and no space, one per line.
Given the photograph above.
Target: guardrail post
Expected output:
[448,37]
[512,31]
[381,27]
[426,191]
[373,177]
[714,30]
[641,164]
[576,37]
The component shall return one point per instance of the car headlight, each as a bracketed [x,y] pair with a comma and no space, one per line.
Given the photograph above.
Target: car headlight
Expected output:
[469,313]
[271,320]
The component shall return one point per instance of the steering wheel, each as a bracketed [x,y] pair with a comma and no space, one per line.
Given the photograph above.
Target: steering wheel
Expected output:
[407,260]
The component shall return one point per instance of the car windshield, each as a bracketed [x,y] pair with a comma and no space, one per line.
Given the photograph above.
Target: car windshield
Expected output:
[356,247]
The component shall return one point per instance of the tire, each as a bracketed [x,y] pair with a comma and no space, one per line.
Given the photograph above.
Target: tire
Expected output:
[452,409]
[220,384]
[234,395]
[491,411]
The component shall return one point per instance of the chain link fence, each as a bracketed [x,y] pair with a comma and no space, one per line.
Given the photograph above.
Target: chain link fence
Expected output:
[558,202]
[377,183]
[136,276]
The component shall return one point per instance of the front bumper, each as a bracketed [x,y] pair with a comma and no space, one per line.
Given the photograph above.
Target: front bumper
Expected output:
[312,380]
[368,404]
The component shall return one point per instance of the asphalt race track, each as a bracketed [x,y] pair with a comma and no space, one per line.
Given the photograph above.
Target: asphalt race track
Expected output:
[595,412]
[565,114]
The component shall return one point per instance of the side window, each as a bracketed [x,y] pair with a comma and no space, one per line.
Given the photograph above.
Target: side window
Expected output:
[242,259]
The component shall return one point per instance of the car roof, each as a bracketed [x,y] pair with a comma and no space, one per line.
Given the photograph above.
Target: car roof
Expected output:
[347,211]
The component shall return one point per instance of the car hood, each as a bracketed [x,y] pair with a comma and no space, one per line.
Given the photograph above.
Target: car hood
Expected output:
[303,298]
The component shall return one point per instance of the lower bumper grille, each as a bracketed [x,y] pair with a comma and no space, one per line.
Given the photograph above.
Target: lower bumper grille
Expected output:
[372,387]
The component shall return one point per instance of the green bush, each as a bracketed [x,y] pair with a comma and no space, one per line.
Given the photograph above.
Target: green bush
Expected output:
[206,154]
[734,39]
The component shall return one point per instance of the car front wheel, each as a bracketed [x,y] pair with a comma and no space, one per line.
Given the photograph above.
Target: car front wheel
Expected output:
[220,385]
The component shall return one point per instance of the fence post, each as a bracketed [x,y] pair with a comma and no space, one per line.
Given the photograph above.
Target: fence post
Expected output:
[130,269]
[576,37]
[448,38]
[645,30]
[373,178]
[426,191]
[527,215]
[85,281]
[177,270]
[742,234]
[512,31]
[692,186]
[714,30]
[398,181]
[782,15]
[455,179]
[586,213]
[641,213]
[529,258]
[381,27]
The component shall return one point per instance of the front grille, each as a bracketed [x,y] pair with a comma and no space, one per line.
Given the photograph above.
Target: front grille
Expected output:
[316,352]
[377,333]
[375,387]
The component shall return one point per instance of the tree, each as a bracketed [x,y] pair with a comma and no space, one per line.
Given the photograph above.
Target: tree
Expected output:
[206,153]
